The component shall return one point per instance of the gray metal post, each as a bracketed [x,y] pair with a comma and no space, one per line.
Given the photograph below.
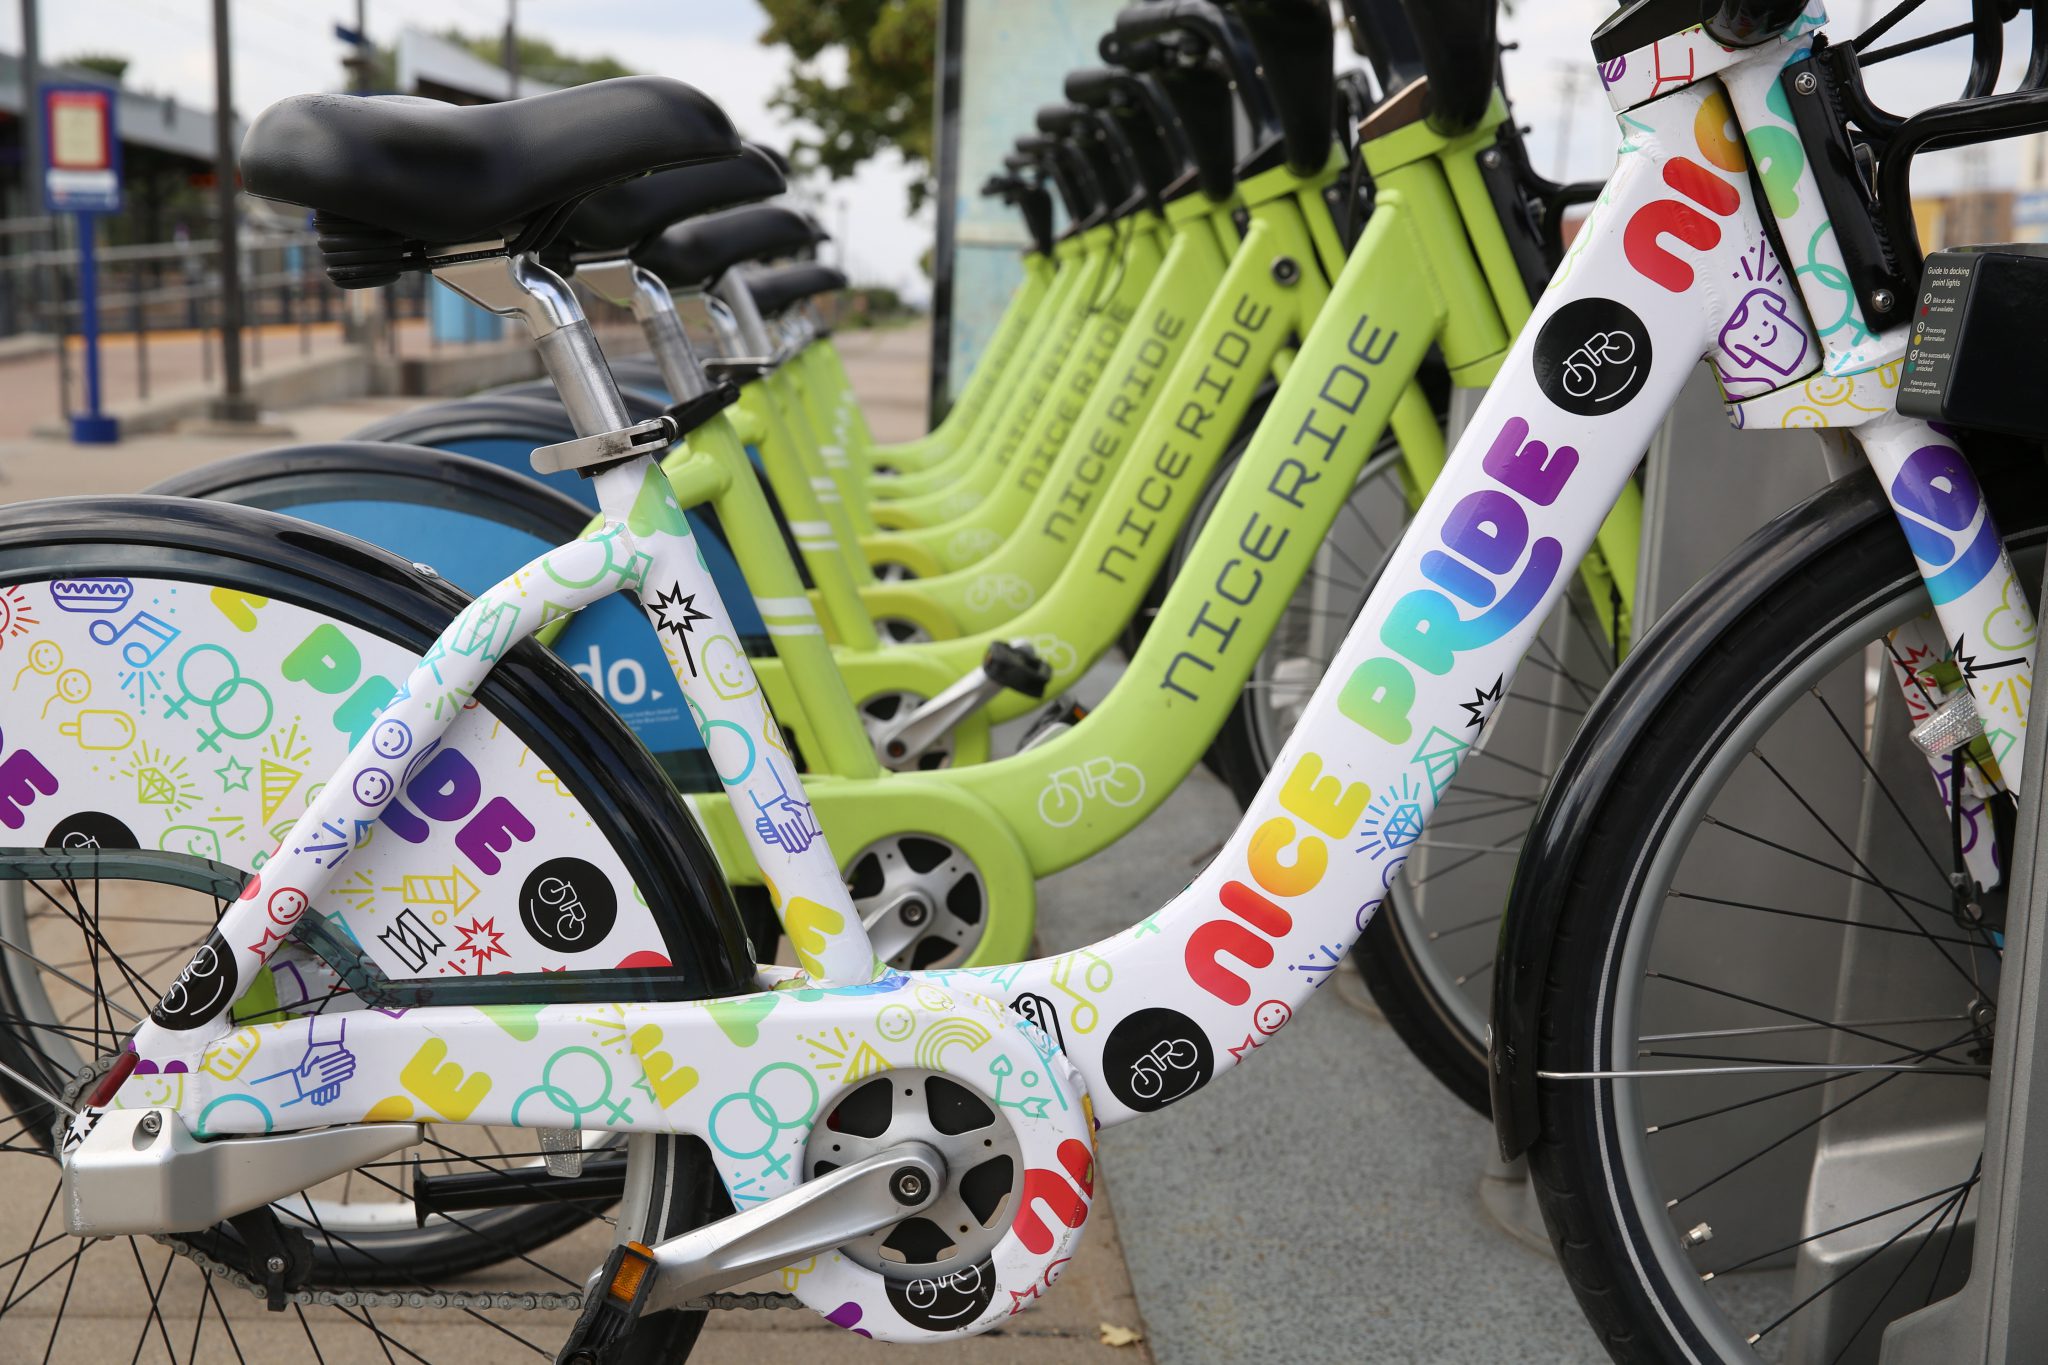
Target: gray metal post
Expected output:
[32,156]
[31,114]
[512,48]
[2000,1315]
[233,405]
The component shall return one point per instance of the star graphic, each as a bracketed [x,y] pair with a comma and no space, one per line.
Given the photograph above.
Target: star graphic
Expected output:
[270,936]
[1480,708]
[233,775]
[678,615]
[1249,1043]
[481,940]
[1971,668]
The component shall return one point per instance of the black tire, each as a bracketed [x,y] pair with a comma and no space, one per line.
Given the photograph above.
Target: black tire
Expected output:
[1661,741]
[538,696]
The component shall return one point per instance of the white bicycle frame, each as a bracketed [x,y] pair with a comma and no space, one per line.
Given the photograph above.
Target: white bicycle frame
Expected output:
[1674,265]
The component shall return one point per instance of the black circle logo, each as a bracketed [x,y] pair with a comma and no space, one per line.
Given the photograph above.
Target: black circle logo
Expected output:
[944,1303]
[88,830]
[568,905]
[1592,357]
[1155,1057]
[201,989]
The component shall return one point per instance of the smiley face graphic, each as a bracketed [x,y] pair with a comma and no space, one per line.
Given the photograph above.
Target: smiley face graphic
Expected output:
[1271,1016]
[372,787]
[727,668]
[286,905]
[391,738]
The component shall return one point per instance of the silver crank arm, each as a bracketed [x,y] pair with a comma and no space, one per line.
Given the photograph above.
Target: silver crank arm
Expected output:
[839,1207]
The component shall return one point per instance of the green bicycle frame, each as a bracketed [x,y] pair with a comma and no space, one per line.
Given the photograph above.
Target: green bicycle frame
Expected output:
[908,456]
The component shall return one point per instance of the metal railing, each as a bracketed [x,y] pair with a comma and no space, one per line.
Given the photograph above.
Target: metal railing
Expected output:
[166,297]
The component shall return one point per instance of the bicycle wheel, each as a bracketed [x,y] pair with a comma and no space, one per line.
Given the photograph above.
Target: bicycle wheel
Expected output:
[1755,926]
[1427,957]
[112,892]
[83,932]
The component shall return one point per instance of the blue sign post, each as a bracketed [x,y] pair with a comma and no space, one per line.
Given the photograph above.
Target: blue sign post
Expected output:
[82,176]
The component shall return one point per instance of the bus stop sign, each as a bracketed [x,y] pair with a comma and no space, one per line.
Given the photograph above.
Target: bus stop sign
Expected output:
[82,150]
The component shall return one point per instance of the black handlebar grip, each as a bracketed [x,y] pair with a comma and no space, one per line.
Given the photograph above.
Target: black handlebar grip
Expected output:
[1459,53]
[1221,32]
[1297,60]
[1380,34]
[1200,96]
[1095,86]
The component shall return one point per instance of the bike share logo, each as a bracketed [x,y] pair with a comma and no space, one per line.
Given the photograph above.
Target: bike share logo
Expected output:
[1069,790]
[1155,1057]
[1592,357]
[568,905]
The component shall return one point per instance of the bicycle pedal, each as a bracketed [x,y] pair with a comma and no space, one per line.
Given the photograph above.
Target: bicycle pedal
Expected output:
[1017,667]
[1054,719]
[604,1328]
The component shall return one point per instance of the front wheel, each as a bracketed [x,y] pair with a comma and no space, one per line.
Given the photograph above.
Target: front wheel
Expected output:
[1764,1031]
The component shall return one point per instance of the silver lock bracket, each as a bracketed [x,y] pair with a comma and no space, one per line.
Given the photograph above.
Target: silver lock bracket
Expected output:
[137,1172]
[588,454]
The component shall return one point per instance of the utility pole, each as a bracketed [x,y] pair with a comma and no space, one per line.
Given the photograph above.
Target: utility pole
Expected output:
[359,65]
[512,48]
[233,405]
[31,113]
[32,159]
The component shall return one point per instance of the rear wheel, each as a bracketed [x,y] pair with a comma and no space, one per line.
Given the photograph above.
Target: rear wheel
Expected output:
[113,638]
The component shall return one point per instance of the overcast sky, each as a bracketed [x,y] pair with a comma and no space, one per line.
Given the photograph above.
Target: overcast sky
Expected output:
[285,47]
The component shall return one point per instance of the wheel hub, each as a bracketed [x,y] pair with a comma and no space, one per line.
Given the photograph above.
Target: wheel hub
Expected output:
[923,900]
[984,1170]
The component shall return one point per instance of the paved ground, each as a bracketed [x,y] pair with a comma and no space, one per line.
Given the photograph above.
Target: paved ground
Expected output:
[1319,1206]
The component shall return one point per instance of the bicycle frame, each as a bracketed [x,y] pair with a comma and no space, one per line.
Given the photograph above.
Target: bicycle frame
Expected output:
[1145,1018]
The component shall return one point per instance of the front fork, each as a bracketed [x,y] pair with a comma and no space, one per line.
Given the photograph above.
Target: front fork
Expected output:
[1967,689]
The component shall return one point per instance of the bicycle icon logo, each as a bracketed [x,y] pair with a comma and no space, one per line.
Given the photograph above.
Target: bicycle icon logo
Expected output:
[1582,368]
[1069,790]
[561,897]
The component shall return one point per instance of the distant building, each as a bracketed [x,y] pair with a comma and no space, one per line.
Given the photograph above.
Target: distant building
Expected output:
[166,152]
[438,69]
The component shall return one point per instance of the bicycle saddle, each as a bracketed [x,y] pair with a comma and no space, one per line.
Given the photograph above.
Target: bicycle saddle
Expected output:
[392,175]
[693,255]
[620,218]
[788,285]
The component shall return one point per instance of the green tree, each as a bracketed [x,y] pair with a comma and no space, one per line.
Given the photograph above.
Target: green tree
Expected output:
[885,101]
[540,59]
[106,63]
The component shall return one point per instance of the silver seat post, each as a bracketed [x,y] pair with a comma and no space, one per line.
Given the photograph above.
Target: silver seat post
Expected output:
[518,286]
[626,285]
[733,292]
[731,346]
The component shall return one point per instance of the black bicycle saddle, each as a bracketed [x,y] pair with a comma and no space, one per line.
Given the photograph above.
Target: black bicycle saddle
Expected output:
[694,254]
[395,173]
[619,218]
[788,285]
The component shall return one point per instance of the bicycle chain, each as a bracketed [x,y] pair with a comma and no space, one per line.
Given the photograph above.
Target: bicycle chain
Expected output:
[570,1301]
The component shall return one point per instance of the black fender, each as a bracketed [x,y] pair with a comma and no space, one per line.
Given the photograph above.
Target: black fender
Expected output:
[640,405]
[1796,542]
[422,474]
[503,416]
[568,726]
